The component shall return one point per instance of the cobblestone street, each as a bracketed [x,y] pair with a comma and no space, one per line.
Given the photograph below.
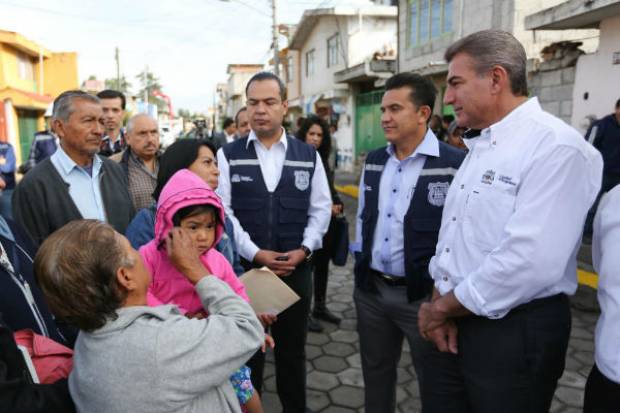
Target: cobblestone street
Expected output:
[335,383]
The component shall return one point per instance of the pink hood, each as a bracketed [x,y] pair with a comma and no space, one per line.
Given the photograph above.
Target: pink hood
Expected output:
[185,188]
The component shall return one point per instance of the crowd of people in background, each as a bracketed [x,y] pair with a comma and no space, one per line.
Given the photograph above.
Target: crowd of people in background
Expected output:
[119,261]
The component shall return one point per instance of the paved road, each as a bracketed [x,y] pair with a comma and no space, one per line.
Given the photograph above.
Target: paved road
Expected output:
[335,381]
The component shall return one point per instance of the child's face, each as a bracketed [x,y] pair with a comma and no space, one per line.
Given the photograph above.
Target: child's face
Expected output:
[201,228]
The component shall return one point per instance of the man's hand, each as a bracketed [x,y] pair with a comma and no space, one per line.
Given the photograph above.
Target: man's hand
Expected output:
[184,255]
[337,209]
[267,319]
[429,317]
[444,337]
[278,262]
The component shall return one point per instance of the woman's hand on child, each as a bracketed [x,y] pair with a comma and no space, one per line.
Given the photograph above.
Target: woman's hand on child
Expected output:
[184,256]
[198,315]
[268,342]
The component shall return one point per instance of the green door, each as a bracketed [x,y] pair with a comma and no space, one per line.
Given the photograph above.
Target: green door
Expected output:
[368,131]
[27,123]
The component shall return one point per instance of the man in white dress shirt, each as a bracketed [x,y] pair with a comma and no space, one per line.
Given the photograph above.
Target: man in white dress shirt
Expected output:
[603,386]
[275,191]
[505,262]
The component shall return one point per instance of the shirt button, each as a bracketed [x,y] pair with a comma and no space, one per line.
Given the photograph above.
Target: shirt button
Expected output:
[453,218]
[445,278]
[389,215]
[387,239]
[462,186]
[447,249]
[394,190]
[400,169]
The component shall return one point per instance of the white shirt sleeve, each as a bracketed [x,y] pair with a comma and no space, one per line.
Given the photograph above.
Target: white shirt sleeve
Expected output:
[544,229]
[320,211]
[357,245]
[606,260]
[246,247]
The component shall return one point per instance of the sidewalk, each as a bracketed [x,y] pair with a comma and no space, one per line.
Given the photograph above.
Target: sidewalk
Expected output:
[335,383]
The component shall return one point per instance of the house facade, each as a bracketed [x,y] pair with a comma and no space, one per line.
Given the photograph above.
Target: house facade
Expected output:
[31,76]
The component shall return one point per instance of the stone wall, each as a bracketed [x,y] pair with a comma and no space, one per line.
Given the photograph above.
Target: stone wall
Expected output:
[553,80]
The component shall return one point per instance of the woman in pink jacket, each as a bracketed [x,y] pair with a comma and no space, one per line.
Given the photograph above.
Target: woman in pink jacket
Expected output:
[186,201]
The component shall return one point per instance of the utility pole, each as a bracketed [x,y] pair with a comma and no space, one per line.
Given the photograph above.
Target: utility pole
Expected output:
[118,69]
[275,34]
[146,88]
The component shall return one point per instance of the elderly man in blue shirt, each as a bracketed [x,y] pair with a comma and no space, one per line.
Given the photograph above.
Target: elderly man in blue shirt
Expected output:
[75,182]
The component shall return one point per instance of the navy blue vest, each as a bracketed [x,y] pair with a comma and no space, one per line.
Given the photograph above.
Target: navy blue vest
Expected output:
[275,220]
[421,222]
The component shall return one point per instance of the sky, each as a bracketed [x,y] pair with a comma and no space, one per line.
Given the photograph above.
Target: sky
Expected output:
[186,43]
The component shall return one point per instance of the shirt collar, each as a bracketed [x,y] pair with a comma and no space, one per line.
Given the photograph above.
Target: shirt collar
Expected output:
[67,164]
[506,125]
[252,137]
[429,146]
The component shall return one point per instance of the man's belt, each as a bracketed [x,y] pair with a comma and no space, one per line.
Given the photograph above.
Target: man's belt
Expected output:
[391,280]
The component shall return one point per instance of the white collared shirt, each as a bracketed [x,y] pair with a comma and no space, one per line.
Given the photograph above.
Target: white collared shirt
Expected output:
[396,188]
[515,211]
[606,260]
[84,189]
[271,162]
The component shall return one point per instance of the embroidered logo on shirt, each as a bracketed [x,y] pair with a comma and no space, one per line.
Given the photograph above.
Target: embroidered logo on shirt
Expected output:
[368,188]
[235,178]
[488,177]
[247,179]
[302,180]
[507,180]
[437,192]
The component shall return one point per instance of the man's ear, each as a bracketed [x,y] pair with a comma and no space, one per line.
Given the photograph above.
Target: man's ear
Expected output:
[500,79]
[125,278]
[58,127]
[426,113]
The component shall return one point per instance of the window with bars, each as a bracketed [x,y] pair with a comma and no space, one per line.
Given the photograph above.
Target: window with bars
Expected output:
[310,63]
[289,69]
[25,67]
[429,19]
[333,50]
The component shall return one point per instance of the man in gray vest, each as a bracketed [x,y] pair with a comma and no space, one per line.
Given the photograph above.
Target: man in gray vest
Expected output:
[402,192]
[276,193]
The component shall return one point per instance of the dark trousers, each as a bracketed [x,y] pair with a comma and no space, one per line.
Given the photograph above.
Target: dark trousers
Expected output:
[509,365]
[384,319]
[289,333]
[321,270]
[602,394]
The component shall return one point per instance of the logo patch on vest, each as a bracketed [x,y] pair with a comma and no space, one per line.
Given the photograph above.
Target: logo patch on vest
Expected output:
[235,178]
[437,192]
[302,180]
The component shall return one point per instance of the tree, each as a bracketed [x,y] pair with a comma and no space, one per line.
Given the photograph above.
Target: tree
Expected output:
[124,86]
[149,83]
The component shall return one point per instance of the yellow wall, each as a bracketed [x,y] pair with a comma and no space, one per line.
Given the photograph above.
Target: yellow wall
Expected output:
[10,74]
[60,73]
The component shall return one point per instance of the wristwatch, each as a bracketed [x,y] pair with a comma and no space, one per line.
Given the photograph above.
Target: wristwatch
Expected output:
[308,252]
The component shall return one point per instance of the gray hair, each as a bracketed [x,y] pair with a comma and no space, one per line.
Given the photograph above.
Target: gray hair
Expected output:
[490,48]
[63,104]
[131,123]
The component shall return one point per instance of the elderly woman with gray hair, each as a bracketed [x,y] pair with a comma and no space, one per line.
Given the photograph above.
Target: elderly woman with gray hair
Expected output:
[134,358]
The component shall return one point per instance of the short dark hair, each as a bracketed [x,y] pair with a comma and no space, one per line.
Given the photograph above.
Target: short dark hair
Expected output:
[227,122]
[261,76]
[488,48]
[76,268]
[423,92]
[617,103]
[113,94]
[193,210]
[326,145]
[243,109]
[180,155]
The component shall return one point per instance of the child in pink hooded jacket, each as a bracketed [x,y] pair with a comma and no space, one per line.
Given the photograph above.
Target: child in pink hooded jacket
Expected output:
[187,201]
